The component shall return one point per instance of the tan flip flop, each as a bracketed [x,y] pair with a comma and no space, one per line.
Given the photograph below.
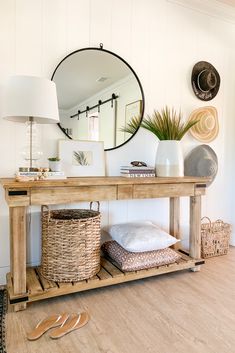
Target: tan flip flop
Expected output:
[74,322]
[46,324]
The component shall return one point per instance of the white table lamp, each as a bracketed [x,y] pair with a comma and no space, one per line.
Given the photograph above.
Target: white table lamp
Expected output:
[30,99]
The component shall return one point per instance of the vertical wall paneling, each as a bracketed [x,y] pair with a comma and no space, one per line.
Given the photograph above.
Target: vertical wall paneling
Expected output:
[33,222]
[7,67]
[7,36]
[55,34]
[162,41]
[121,28]
[100,23]
[139,40]
[28,31]
[78,24]
[118,212]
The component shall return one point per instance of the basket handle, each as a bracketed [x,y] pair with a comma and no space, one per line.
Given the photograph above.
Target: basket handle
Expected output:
[219,221]
[208,219]
[98,205]
[45,208]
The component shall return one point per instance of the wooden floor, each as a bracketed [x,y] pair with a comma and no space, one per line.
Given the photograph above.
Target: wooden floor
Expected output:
[183,312]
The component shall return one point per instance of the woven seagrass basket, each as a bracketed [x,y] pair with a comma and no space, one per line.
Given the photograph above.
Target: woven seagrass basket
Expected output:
[215,238]
[70,244]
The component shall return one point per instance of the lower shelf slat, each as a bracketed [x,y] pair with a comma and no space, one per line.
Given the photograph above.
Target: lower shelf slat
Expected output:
[39,288]
[32,283]
[46,284]
[111,268]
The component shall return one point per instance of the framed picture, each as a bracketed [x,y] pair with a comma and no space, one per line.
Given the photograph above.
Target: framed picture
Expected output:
[133,109]
[82,158]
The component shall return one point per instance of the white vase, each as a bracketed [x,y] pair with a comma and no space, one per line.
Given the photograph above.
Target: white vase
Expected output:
[55,166]
[169,159]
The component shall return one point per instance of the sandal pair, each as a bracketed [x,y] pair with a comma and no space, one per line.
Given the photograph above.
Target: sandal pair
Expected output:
[63,324]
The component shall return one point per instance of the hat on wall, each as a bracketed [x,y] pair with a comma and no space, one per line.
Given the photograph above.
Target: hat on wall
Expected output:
[205,80]
[207,127]
[201,161]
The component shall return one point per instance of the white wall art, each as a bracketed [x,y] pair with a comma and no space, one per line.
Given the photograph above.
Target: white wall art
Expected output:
[82,158]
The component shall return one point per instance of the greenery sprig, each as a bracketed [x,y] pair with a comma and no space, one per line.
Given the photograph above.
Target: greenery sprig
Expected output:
[166,124]
[54,159]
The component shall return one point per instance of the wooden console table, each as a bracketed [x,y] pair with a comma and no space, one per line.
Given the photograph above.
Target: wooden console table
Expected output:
[27,285]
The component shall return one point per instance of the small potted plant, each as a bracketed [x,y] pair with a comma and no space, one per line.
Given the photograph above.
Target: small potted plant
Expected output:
[54,164]
[169,128]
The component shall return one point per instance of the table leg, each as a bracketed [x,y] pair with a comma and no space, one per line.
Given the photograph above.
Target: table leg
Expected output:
[18,252]
[174,219]
[195,229]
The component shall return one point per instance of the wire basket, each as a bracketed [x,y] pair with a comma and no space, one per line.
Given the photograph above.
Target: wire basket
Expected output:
[70,244]
[215,238]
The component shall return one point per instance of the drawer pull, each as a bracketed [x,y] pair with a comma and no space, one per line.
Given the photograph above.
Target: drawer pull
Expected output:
[17,193]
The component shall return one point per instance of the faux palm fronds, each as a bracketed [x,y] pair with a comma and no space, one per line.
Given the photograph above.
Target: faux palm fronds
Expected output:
[166,124]
[132,125]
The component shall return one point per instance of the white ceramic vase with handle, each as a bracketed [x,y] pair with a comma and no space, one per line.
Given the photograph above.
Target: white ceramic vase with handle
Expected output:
[169,159]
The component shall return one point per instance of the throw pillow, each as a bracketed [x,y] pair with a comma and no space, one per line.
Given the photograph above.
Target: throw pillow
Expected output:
[141,236]
[129,261]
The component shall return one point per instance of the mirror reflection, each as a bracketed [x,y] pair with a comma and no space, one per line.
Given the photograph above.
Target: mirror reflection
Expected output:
[98,94]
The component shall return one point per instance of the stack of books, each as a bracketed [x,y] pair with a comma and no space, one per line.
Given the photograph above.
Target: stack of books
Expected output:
[42,175]
[136,172]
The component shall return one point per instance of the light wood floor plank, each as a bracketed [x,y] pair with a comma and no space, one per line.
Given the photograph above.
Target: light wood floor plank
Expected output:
[182,312]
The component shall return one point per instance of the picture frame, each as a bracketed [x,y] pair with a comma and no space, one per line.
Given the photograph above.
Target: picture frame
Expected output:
[82,158]
[132,109]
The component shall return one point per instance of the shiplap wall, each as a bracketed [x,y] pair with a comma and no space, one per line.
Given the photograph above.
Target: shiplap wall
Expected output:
[161,41]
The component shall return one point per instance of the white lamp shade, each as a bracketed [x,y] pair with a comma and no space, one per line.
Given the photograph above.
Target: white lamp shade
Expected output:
[29,96]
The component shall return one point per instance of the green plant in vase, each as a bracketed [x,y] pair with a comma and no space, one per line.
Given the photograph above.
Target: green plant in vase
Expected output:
[169,128]
[54,164]
[167,124]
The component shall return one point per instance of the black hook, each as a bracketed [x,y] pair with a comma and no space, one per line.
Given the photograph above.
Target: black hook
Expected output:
[101,46]
[99,102]
[87,110]
[113,97]
[79,111]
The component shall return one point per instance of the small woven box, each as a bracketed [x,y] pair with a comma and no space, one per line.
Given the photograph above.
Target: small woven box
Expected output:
[215,238]
[70,244]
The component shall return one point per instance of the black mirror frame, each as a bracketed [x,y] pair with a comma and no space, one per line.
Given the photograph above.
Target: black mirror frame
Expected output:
[137,78]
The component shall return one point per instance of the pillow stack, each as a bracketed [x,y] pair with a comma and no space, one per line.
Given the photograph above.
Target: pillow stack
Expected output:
[139,245]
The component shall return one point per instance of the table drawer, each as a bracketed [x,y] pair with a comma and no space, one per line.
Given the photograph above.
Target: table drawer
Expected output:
[59,195]
[144,191]
[124,192]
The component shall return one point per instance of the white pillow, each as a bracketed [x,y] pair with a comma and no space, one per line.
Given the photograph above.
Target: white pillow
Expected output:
[141,236]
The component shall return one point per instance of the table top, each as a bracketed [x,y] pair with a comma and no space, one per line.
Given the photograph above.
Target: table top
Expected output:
[96,181]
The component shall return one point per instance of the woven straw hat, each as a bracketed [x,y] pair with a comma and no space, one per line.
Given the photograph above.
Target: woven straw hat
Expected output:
[201,161]
[207,127]
[205,80]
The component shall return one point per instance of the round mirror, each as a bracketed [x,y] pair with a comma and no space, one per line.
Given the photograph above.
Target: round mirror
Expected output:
[98,94]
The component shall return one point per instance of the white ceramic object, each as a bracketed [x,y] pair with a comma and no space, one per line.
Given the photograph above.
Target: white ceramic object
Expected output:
[169,159]
[55,166]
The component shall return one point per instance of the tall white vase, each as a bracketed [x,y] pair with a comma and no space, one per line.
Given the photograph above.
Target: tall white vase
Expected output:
[169,159]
